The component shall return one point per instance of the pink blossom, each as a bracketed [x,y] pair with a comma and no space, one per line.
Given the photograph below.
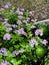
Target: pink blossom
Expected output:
[4,23]
[32,20]
[6,36]
[6,6]
[1,18]
[24,21]
[39,32]
[8,29]
[19,22]
[17,52]
[19,12]
[28,19]
[3,51]
[1,9]
[14,25]
[33,42]
[4,63]
[21,31]
[30,12]
[44,42]
[20,17]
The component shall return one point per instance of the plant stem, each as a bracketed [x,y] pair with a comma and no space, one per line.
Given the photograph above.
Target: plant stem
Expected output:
[43,21]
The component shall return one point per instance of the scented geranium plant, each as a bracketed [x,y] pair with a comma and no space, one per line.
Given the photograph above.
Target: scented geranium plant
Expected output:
[22,42]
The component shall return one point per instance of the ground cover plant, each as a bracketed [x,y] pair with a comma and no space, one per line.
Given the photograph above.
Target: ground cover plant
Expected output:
[21,41]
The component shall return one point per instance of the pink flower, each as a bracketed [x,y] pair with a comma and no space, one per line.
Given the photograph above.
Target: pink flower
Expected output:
[4,63]
[44,42]
[32,20]
[20,17]
[19,12]
[24,21]
[19,22]
[4,23]
[6,36]
[1,18]
[21,31]
[14,25]
[17,52]
[1,9]
[3,51]
[39,32]
[8,29]
[33,42]
[6,6]
[30,13]
[28,19]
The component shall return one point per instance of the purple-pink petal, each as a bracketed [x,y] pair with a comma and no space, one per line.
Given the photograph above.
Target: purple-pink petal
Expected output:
[6,36]
[39,32]
[6,6]
[4,63]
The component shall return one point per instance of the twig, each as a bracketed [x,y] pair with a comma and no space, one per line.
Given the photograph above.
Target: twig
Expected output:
[43,21]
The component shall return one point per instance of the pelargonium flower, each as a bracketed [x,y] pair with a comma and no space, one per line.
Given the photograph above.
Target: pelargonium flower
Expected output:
[4,63]
[39,32]
[1,9]
[20,17]
[27,19]
[19,12]
[33,42]
[44,42]
[6,6]
[6,36]
[5,23]
[30,12]
[24,21]
[21,31]
[17,52]
[8,29]
[14,25]
[19,22]
[1,18]
[3,51]
[15,31]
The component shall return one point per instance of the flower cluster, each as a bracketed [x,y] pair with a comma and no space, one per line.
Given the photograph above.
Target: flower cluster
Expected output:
[16,52]
[3,51]
[23,42]
[6,36]
[39,32]
[21,31]
[4,63]
[33,42]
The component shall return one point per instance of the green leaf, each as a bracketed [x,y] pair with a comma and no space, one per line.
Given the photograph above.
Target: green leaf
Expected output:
[15,62]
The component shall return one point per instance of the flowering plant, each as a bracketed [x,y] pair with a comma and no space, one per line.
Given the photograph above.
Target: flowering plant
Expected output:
[22,42]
